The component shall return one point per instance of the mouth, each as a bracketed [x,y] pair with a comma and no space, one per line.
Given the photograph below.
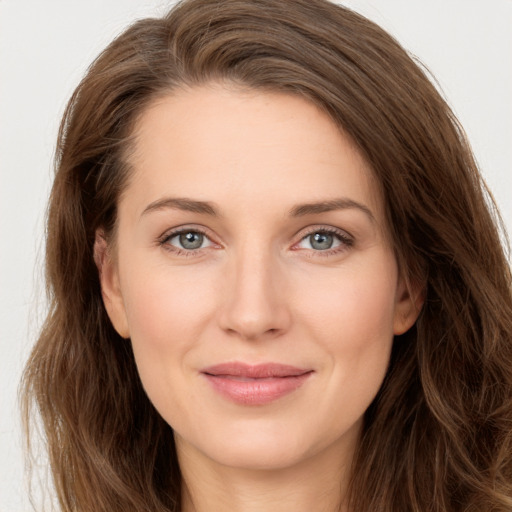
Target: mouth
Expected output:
[259,384]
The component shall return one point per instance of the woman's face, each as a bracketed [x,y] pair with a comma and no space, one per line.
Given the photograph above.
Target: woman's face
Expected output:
[254,277]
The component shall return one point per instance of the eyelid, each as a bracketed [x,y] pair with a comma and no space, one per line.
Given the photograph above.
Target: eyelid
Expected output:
[345,238]
[171,233]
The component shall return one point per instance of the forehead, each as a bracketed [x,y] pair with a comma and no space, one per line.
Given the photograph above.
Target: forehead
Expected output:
[245,146]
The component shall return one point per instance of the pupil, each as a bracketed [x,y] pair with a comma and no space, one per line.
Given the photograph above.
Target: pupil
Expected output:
[321,241]
[191,240]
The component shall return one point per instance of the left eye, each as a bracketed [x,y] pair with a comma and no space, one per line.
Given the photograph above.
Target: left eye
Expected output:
[189,240]
[322,241]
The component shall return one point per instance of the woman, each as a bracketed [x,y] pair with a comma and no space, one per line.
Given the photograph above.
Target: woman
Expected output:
[277,282]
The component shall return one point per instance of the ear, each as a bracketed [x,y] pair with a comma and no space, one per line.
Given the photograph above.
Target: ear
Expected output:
[410,297]
[109,281]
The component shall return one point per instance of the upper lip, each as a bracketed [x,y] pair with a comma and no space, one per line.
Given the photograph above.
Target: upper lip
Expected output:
[254,371]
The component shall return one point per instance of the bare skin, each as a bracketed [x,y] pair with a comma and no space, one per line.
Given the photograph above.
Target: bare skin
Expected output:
[252,234]
[312,485]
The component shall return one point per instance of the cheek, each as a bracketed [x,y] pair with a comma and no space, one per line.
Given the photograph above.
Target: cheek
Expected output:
[354,308]
[351,318]
[354,326]
[167,311]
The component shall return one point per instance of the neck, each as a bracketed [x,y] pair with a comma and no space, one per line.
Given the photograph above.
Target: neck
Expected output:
[318,485]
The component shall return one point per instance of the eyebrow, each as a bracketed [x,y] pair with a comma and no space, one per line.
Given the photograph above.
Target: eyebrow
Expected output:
[343,203]
[300,210]
[178,203]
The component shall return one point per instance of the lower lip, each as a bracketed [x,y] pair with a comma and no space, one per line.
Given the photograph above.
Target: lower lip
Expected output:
[256,391]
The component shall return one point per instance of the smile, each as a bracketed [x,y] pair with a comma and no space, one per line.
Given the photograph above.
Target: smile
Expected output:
[255,384]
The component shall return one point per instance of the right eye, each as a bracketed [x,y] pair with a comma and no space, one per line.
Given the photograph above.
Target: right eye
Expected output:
[186,241]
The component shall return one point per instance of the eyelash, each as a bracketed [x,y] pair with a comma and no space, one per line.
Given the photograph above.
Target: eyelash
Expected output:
[345,239]
[187,253]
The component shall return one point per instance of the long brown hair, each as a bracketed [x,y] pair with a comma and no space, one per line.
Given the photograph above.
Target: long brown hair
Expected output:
[438,437]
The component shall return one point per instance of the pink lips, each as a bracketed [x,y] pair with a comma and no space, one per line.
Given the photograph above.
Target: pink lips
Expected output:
[255,384]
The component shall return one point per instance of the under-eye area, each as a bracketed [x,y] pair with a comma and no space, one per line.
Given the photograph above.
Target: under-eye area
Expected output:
[236,268]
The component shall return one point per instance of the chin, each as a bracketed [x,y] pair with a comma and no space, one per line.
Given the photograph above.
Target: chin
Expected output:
[259,445]
[260,454]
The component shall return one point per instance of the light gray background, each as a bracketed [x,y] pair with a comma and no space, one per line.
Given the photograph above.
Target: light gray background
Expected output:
[45,47]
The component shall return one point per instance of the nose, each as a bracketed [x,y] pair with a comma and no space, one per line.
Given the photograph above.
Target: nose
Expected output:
[255,304]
